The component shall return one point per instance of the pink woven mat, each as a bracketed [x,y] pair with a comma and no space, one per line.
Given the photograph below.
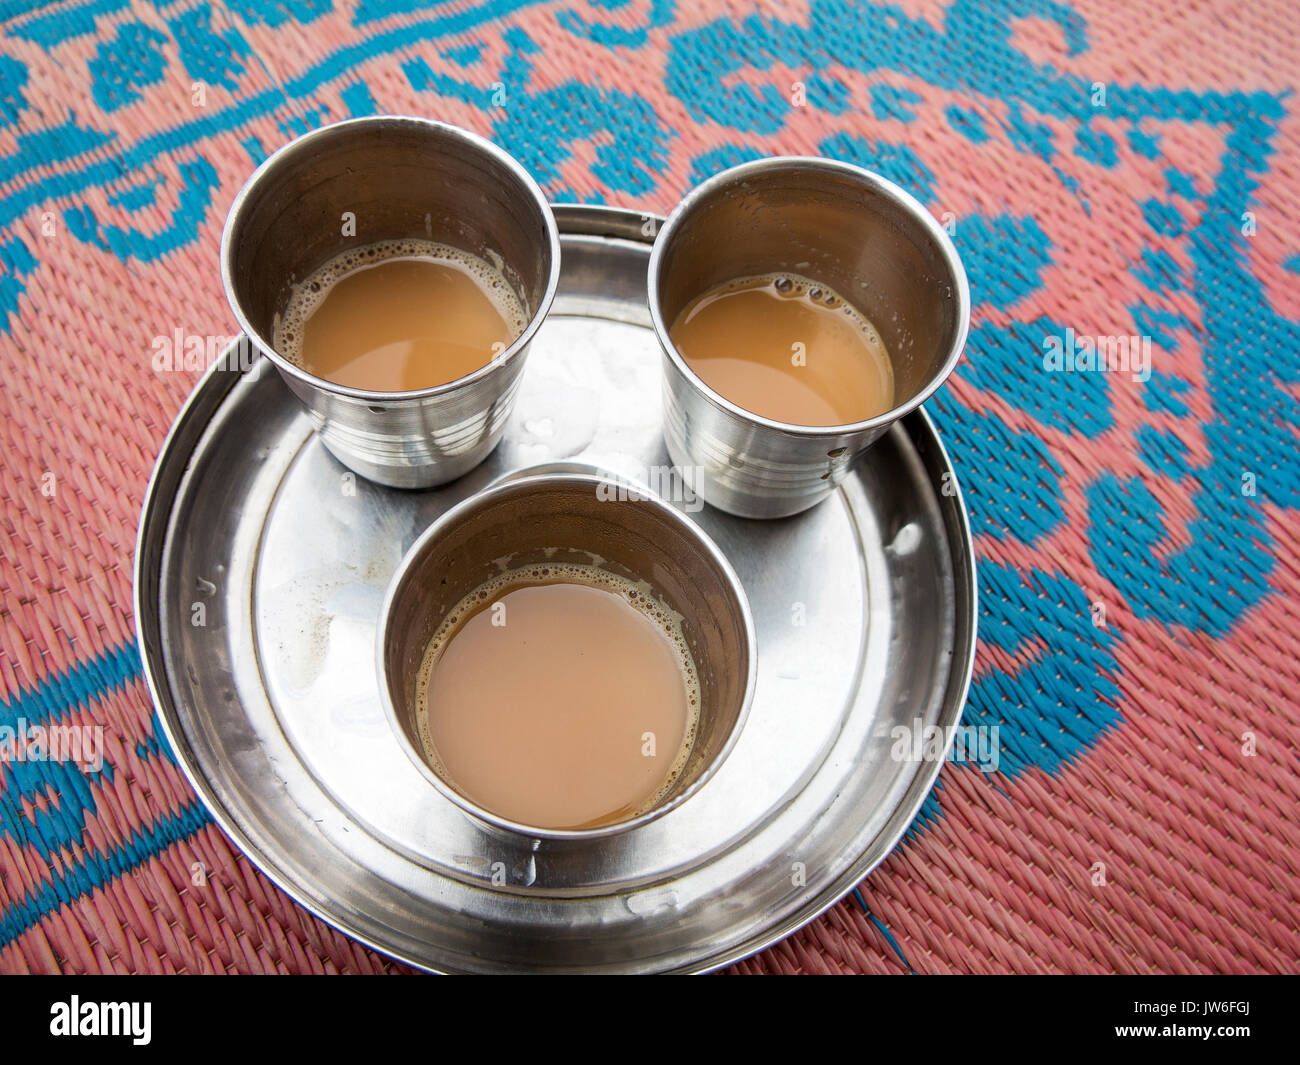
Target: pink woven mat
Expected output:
[1107,171]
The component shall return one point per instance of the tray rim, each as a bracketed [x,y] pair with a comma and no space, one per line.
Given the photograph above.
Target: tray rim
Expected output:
[595,222]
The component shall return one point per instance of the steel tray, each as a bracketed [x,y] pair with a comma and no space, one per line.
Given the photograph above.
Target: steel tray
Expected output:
[864,606]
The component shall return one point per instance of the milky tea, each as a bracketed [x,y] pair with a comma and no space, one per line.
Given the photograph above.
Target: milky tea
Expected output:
[559,697]
[787,348]
[399,316]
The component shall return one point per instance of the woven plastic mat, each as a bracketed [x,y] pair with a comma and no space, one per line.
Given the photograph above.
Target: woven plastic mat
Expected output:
[1119,178]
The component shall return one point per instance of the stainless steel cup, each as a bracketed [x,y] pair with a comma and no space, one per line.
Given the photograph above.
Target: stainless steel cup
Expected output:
[569,518]
[853,231]
[388,177]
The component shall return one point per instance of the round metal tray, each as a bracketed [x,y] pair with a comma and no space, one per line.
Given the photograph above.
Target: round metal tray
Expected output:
[260,569]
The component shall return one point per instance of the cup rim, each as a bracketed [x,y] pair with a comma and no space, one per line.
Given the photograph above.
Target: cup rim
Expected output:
[914,208]
[479,499]
[301,143]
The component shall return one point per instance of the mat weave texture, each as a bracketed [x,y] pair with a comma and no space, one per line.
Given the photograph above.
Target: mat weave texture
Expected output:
[1108,170]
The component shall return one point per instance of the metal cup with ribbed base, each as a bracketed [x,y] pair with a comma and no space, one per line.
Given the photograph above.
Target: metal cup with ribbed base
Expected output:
[386,178]
[838,224]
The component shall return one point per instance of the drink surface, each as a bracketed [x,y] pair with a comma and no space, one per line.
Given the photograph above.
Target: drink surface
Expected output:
[399,316]
[559,697]
[787,348]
